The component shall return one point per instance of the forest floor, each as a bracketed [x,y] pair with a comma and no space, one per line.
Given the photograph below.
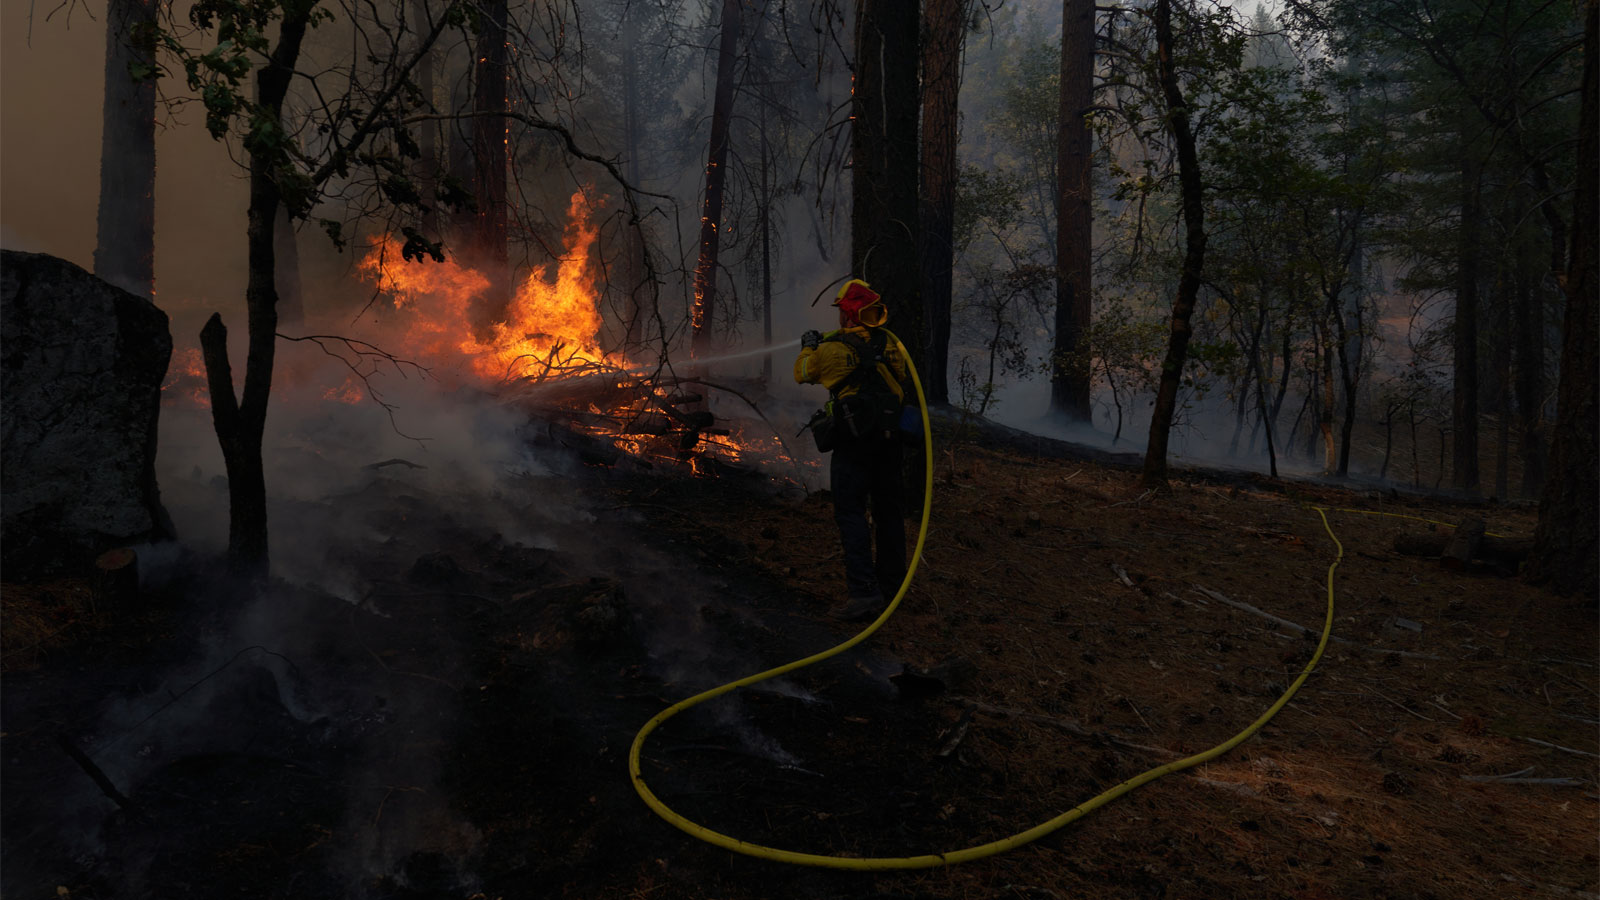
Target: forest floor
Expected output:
[461,729]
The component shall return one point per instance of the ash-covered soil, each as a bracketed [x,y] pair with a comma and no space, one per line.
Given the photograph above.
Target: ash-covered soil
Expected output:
[448,714]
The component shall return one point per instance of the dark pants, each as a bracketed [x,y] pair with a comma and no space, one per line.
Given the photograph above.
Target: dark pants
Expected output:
[863,472]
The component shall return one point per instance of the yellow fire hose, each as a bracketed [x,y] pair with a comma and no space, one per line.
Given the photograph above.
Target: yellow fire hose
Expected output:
[970,853]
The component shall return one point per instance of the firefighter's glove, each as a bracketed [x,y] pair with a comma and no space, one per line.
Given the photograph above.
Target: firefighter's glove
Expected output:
[811,339]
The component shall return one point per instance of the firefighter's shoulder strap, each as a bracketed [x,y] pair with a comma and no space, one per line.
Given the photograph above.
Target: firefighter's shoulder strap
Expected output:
[869,354]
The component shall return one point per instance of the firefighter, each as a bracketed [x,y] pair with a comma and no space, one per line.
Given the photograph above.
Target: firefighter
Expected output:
[865,375]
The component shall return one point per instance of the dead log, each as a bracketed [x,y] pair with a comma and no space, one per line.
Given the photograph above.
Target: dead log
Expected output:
[1498,550]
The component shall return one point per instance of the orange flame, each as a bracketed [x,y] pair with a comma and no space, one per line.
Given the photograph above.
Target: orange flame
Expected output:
[550,321]
[186,380]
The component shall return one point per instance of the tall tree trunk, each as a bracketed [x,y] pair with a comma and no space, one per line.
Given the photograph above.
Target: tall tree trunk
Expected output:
[1194,254]
[766,250]
[1330,445]
[124,251]
[291,302]
[427,142]
[941,86]
[1349,334]
[1070,385]
[705,271]
[884,147]
[1464,402]
[240,423]
[634,270]
[1529,363]
[1502,388]
[490,158]
[1565,543]
[1267,420]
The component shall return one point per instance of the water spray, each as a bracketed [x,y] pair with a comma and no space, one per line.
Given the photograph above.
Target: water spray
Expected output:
[742,354]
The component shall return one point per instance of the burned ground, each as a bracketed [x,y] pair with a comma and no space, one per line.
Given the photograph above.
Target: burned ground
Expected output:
[457,724]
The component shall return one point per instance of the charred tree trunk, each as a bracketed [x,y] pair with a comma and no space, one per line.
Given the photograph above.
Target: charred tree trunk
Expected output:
[635,269]
[428,165]
[1070,385]
[1502,390]
[241,422]
[291,303]
[1267,419]
[884,147]
[1325,408]
[1464,403]
[490,157]
[1564,555]
[705,271]
[941,85]
[1529,363]
[1155,456]
[125,239]
[766,250]
[1349,380]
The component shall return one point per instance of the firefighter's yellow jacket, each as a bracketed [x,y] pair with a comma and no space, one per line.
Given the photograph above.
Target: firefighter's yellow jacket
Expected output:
[831,363]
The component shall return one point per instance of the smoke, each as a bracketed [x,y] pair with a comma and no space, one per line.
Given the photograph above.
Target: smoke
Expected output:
[354,486]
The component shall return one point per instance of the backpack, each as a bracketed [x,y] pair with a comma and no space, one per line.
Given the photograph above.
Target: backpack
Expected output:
[869,414]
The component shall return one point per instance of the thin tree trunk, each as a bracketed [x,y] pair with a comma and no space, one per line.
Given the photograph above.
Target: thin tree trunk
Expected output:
[703,313]
[491,156]
[1502,390]
[946,22]
[1529,363]
[1464,402]
[1330,445]
[1388,441]
[240,423]
[125,238]
[1070,385]
[1155,457]
[766,251]
[634,269]
[1565,553]
[1349,381]
[427,141]
[1416,463]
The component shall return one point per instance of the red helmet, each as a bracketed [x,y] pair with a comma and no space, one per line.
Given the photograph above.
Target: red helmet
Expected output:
[861,304]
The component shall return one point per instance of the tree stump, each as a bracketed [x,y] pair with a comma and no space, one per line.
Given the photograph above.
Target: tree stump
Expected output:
[116,576]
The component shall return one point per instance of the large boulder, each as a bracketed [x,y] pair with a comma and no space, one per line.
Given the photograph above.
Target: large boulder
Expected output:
[81,366]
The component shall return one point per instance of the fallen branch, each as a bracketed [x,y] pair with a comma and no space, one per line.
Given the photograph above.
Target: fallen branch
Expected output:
[1301,629]
[1556,889]
[94,772]
[1507,779]
[1122,574]
[957,733]
[1232,787]
[1067,725]
[1558,747]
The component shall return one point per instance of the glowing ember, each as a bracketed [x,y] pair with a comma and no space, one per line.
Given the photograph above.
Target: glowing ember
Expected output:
[186,380]
[349,392]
